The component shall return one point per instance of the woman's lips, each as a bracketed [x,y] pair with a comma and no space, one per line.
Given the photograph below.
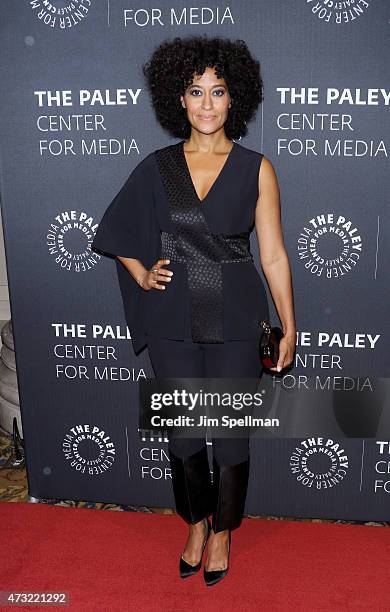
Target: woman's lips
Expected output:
[205,118]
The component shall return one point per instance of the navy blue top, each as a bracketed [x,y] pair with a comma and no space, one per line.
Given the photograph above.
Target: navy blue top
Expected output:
[132,225]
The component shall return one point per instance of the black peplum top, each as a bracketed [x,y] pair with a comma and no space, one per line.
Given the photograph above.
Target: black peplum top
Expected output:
[216,293]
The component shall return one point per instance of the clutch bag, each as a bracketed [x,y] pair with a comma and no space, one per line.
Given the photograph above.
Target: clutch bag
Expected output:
[269,344]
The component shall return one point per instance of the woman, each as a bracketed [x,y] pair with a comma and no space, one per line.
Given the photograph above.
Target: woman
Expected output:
[179,229]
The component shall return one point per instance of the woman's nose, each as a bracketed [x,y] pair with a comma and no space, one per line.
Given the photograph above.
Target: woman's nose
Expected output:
[207,101]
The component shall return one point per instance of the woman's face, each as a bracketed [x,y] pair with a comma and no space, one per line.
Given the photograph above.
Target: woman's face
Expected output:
[207,102]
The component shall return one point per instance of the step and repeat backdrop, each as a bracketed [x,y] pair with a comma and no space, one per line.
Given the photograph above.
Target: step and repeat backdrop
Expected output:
[76,120]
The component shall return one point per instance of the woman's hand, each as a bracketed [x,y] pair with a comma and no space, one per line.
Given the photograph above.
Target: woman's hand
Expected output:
[286,352]
[152,278]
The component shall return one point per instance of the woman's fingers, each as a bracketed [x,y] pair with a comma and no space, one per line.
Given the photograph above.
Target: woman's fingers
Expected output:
[160,275]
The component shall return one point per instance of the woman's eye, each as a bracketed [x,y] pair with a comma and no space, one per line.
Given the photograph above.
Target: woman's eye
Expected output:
[218,92]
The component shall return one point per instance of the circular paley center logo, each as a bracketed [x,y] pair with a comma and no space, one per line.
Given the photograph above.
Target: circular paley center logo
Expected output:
[319,463]
[338,11]
[60,14]
[88,449]
[329,245]
[69,240]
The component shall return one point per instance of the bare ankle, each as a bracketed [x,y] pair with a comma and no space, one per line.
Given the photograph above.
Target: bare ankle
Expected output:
[200,526]
[222,535]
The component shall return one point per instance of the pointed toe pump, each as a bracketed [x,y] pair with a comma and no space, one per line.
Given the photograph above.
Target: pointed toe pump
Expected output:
[230,484]
[186,569]
[213,576]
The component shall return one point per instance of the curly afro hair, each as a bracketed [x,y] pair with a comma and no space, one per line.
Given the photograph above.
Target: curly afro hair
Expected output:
[172,67]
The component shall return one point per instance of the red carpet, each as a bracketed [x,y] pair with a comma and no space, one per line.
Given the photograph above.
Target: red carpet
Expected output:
[118,561]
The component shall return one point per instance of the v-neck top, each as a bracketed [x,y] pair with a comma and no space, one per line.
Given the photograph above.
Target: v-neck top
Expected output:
[141,213]
[216,180]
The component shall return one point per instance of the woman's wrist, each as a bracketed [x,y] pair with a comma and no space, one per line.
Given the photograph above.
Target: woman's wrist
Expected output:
[141,277]
[290,332]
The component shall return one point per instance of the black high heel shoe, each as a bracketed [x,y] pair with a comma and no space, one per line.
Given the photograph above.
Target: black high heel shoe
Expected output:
[213,576]
[186,569]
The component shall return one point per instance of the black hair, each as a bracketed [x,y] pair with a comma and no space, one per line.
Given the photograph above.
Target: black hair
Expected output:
[171,69]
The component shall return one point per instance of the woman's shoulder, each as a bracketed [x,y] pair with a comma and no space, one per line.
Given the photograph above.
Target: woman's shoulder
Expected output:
[250,153]
[169,147]
[265,168]
[149,163]
[145,163]
[143,170]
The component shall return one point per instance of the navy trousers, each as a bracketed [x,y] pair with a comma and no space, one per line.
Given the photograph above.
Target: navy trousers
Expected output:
[186,359]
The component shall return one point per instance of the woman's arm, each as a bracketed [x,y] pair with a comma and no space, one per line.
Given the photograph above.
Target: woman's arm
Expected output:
[274,258]
[146,278]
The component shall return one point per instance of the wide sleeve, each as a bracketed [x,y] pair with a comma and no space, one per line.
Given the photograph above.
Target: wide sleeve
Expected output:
[129,228]
[124,227]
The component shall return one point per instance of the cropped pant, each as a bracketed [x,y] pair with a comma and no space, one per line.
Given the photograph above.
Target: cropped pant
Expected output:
[196,496]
